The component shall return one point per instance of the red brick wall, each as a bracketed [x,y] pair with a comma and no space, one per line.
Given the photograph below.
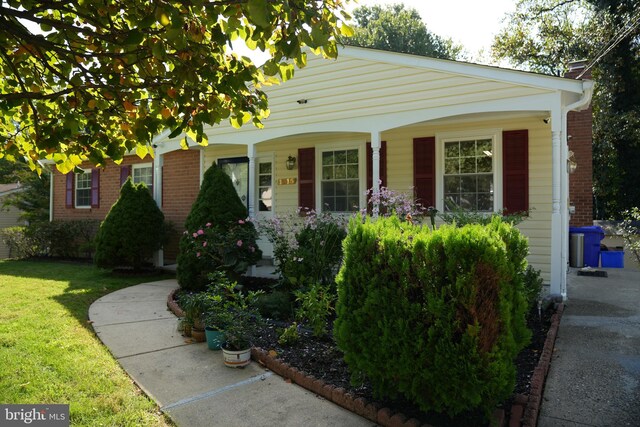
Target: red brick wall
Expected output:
[109,191]
[180,187]
[579,128]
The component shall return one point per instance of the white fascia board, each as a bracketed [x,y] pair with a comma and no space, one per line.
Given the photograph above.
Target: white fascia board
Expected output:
[465,68]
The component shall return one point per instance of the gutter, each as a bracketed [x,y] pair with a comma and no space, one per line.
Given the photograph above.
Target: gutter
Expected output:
[583,102]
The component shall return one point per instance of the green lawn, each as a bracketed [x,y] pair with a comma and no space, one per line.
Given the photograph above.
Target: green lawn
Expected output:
[49,353]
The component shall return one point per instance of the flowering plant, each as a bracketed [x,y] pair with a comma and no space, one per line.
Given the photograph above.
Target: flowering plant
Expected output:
[307,246]
[388,202]
[231,249]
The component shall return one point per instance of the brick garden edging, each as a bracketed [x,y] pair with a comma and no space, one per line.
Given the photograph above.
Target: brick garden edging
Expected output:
[524,409]
[173,304]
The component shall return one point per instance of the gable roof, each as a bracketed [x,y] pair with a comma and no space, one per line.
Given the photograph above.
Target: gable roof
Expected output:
[367,90]
[6,189]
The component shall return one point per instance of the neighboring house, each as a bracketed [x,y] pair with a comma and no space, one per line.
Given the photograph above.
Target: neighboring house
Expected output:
[8,215]
[484,137]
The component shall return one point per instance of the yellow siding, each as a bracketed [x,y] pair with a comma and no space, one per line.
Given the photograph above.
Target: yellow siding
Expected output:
[400,168]
[355,88]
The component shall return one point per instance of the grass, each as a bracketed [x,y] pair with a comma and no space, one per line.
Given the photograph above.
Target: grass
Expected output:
[49,353]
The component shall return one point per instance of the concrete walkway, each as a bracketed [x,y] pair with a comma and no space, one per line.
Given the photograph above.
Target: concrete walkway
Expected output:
[594,378]
[188,381]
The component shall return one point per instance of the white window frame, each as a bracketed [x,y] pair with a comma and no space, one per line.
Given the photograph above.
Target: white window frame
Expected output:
[493,134]
[87,172]
[142,166]
[265,158]
[362,170]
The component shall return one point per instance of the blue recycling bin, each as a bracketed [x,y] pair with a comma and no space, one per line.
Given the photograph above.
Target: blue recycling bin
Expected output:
[592,236]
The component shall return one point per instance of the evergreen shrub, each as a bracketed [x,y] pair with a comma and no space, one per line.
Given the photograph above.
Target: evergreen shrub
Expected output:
[436,316]
[217,209]
[132,230]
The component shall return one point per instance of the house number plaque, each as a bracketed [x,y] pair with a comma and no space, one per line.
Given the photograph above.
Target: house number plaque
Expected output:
[287,181]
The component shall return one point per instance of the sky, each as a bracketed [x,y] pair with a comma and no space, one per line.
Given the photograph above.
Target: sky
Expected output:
[471,23]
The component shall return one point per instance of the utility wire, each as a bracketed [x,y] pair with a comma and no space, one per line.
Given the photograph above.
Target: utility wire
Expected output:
[633,23]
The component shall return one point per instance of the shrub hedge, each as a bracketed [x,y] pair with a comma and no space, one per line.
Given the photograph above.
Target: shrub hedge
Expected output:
[443,317]
[64,239]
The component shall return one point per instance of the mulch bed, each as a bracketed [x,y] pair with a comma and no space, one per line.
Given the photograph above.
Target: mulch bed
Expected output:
[321,359]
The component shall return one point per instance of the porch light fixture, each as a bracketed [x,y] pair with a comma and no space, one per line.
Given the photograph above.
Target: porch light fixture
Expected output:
[290,163]
[572,165]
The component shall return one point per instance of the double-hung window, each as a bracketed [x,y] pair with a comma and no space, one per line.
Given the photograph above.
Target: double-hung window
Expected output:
[143,172]
[83,189]
[468,175]
[340,180]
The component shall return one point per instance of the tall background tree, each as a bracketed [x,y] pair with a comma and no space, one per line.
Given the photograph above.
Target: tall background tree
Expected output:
[398,29]
[33,200]
[545,35]
[93,79]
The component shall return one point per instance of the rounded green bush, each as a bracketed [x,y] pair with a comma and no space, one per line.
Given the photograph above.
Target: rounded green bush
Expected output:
[132,230]
[443,317]
[219,206]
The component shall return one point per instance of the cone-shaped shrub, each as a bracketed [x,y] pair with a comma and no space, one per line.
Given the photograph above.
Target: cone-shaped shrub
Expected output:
[218,214]
[131,231]
[443,317]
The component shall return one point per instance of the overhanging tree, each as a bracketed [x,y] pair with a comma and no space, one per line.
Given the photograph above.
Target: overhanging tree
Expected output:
[545,35]
[93,79]
[398,29]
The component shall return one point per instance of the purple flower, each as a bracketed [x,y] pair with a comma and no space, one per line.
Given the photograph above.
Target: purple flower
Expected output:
[239,243]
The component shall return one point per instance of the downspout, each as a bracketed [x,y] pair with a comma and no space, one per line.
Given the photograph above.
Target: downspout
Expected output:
[50,195]
[581,104]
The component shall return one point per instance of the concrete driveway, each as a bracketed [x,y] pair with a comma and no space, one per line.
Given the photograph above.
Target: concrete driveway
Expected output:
[594,378]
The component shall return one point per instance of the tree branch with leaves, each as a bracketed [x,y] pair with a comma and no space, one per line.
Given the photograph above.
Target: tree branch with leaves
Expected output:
[92,80]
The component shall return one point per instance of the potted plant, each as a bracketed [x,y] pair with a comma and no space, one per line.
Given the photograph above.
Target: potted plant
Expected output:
[216,319]
[194,306]
[236,349]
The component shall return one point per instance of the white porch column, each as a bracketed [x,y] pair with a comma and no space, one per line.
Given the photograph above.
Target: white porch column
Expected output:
[158,162]
[251,154]
[557,223]
[375,170]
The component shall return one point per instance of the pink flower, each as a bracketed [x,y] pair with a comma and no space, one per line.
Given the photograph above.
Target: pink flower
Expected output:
[208,224]
[198,254]
[195,234]
[239,243]
[204,244]
[200,232]
[240,221]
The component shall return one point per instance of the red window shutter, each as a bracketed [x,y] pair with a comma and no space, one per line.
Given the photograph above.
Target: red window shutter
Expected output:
[71,177]
[383,165]
[125,172]
[95,188]
[515,170]
[424,170]
[306,178]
